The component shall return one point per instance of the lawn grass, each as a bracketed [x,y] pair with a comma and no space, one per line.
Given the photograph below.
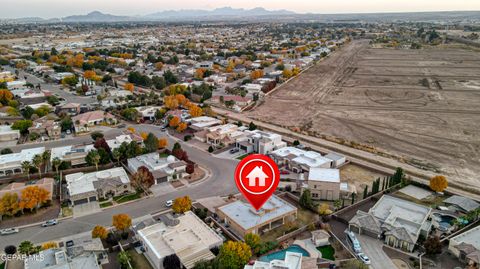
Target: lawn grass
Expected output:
[139,260]
[163,155]
[125,198]
[107,204]
[67,211]
[2,266]
[328,252]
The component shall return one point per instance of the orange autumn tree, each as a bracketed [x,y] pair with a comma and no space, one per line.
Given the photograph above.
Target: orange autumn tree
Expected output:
[143,135]
[33,197]
[170,102]
[5,96]
[174,122]
[121,222]
[159,65]
[438,183]
[78,60]
[131,129]
[129,87]
[48,245]
[89,74]
[99,232]
[256,74]
[195,111]
[182,204]
[181,99]
[199,73]
[162,143]
[181,127]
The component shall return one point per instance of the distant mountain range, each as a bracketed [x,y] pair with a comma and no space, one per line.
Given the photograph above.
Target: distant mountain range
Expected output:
[258,14]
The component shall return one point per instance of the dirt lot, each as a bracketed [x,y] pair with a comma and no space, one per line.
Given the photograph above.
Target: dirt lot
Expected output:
[419,105]
[359,176]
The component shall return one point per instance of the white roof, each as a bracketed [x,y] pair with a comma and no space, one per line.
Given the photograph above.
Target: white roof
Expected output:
[153,162]
[189,237]
[79,183]
[471,237]
[308,158]
[7,129]
[324,175]
[247,217]
[293,260]
[24,155]
[117,141]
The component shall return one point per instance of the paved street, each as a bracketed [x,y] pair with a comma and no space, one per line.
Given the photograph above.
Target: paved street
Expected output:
[220,183]
[373,249]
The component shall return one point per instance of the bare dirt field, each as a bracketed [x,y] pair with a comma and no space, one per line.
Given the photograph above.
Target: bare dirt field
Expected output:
[419,105]
[359,177]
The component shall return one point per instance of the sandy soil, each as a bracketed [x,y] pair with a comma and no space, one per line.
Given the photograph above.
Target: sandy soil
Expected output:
[420,105]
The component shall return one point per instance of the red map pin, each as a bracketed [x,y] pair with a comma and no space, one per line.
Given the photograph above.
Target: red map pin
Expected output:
[257,178]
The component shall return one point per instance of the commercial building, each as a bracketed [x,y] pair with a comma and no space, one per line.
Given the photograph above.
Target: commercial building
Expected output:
[12,163]
[163,168]
[401,222]
[299,160]
[260,142]
[187,236]
[86,188]
[466,247]
[243,218]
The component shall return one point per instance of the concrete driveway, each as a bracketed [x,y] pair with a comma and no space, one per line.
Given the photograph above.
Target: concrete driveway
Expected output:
[86,209]
[373,249]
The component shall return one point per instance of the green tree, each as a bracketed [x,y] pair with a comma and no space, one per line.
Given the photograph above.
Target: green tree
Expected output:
[252,126]
[433,245]
[66,123]
[93,158]
[116,155]
[27,248]
[46,158]
[365,192]
[22,125]
[354,264]
[234,255]
[151,143]
[56,162]
[253,241]
[37,162]
[124,259]
[306,199]
[26,166]
[6,151]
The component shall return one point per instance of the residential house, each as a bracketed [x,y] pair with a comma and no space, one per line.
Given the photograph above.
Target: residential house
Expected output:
[187,236]
[148,112]
[466,247]
[242,218]
[88,188]
[299,160]
[8,136]
[399,221]
[324,183]
[83,121]
[200,123]
[252,88]
[74,154]
[239,100]
[46,127]
[220,135]
[18,187]
[260,142]
[11,164]
[337,159]
[71,109]
[320,238]
[163,168]
[55,258]
[461,203]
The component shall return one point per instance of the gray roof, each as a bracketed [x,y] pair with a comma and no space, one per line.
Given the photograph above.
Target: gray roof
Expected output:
[464,203]
[366,221]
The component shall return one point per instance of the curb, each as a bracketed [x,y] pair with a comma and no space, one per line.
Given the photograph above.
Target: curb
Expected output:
[40,223]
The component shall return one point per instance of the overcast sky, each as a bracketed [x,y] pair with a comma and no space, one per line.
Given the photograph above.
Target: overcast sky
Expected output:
[61,8]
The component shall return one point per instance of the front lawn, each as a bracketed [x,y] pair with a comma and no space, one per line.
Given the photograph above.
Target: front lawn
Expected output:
[328,252]
[127,197]
[106,204]
[242,157]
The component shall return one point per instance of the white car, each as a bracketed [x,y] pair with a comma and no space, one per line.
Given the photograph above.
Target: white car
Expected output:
[364,258]
[169,203]
[49,223]
[8,231]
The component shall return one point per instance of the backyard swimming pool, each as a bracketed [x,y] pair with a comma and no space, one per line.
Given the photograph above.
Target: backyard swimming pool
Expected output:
[280,255]
[444,221]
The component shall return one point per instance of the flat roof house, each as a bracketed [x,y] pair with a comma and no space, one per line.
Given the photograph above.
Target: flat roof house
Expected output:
[222,134]
[58,259]
[187,236]
[324,183]
[163,168]
[299,160]
[466,247]
[74,154]
[12,163]
[86,188]
[400,221]
[293,260]
[243,218]
[8,136]
[260,142]
[200,123]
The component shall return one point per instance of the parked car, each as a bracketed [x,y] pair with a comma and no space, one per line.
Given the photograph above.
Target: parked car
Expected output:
[8,231]
[284,172]
[234,150]
[50,223]
[364,258]
[169,203]
[301,146]
[68,132]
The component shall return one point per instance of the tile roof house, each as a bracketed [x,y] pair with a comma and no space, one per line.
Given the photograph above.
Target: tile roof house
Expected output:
[466,247]
[83,121]
[400,221]
[46,126]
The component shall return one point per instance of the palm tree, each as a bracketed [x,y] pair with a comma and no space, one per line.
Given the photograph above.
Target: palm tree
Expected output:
[26,165]
[56,162]
[46,158]
[116,154]
[37,162]
[95,158]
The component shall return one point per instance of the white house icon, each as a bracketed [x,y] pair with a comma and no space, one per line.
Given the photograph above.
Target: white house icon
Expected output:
[256,172]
